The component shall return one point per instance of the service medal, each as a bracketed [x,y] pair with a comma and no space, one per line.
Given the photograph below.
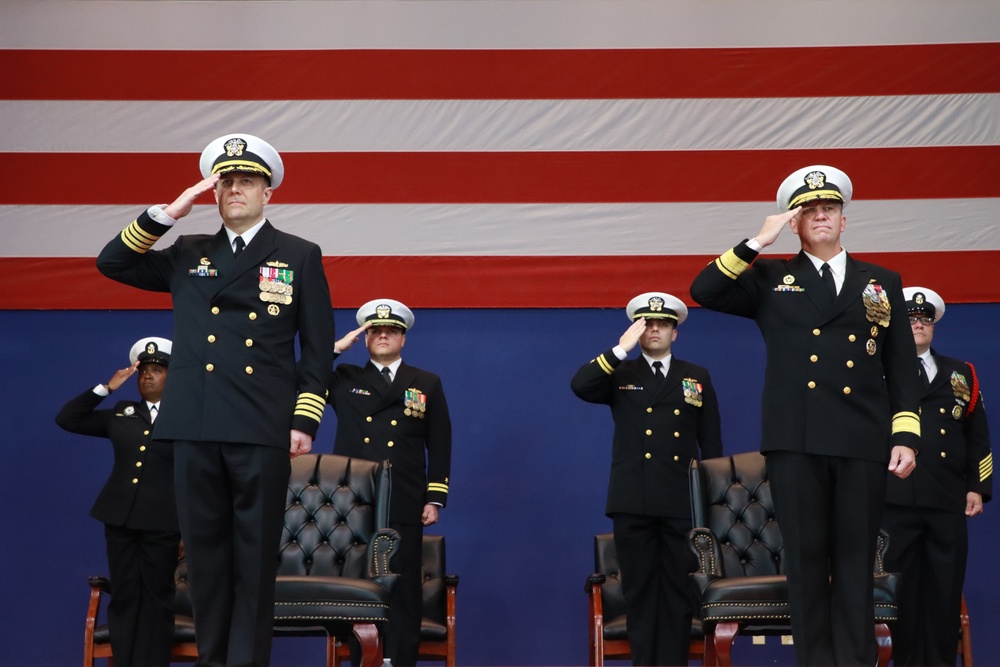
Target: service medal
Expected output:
[692,391]
[877,307]
[960,386]
[956,412]
[871,347]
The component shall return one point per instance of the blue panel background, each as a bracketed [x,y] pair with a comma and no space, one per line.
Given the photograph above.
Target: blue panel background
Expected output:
[528,479]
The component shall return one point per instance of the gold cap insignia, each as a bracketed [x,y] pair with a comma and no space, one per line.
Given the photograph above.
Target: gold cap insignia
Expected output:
[234,147]
[815,180]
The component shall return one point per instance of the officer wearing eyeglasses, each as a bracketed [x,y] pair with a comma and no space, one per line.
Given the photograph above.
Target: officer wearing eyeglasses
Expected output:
[926,513]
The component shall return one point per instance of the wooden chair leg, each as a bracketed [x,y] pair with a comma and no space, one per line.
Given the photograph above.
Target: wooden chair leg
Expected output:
[965,640]
[710,659]
[331,652]
[723,637]
[883,640]
[371,645]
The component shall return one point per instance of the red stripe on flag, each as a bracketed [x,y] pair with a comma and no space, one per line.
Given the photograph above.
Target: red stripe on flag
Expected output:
[484,282]
[510,177]
[504,74]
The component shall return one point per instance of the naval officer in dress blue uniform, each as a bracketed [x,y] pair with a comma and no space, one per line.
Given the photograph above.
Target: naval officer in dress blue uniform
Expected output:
[666,413]
[926,513]
[387,409]
[136,506]
[839,406]
[238,403]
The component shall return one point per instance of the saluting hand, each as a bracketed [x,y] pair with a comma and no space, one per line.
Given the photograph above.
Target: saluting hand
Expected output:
[631,336]
[351,338]
[122,374]
[773,225]
[183,204]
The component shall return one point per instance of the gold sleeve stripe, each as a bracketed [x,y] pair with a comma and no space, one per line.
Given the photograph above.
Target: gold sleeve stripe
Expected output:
[605,366]
[435,486]
[731,265]
[906,422]
[136,238]
[986,467]
[310,405]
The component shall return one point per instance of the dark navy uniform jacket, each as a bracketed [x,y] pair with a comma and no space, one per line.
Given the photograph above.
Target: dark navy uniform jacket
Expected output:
[955,456]
[841,377]
[233,373]
[139,493]
[375,423]
[657,433]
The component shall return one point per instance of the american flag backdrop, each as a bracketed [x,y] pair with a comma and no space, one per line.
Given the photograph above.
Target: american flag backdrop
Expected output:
[503,153]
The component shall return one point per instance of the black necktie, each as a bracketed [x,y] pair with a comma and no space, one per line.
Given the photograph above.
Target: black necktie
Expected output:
[827,274]
[387,374]
[240,244]
[923,373]
[657,373]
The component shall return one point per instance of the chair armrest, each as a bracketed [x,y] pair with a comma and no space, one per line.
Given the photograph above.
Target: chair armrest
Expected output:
[451,580]
[881,545]
[706,549]
[102,584]
[382,545]
[592,581]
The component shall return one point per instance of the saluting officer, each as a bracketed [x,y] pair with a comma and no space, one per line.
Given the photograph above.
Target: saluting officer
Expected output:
[840,404]
[926,513]
[666,413]
[237,405]
[136,506]
[387,409]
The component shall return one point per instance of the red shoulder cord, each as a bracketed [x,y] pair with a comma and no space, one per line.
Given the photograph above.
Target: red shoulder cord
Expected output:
[975,390]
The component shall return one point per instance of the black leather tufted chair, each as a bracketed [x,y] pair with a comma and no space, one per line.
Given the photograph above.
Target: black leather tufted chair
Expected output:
[608,634]
[740,583]
[437,627]
[333,562]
